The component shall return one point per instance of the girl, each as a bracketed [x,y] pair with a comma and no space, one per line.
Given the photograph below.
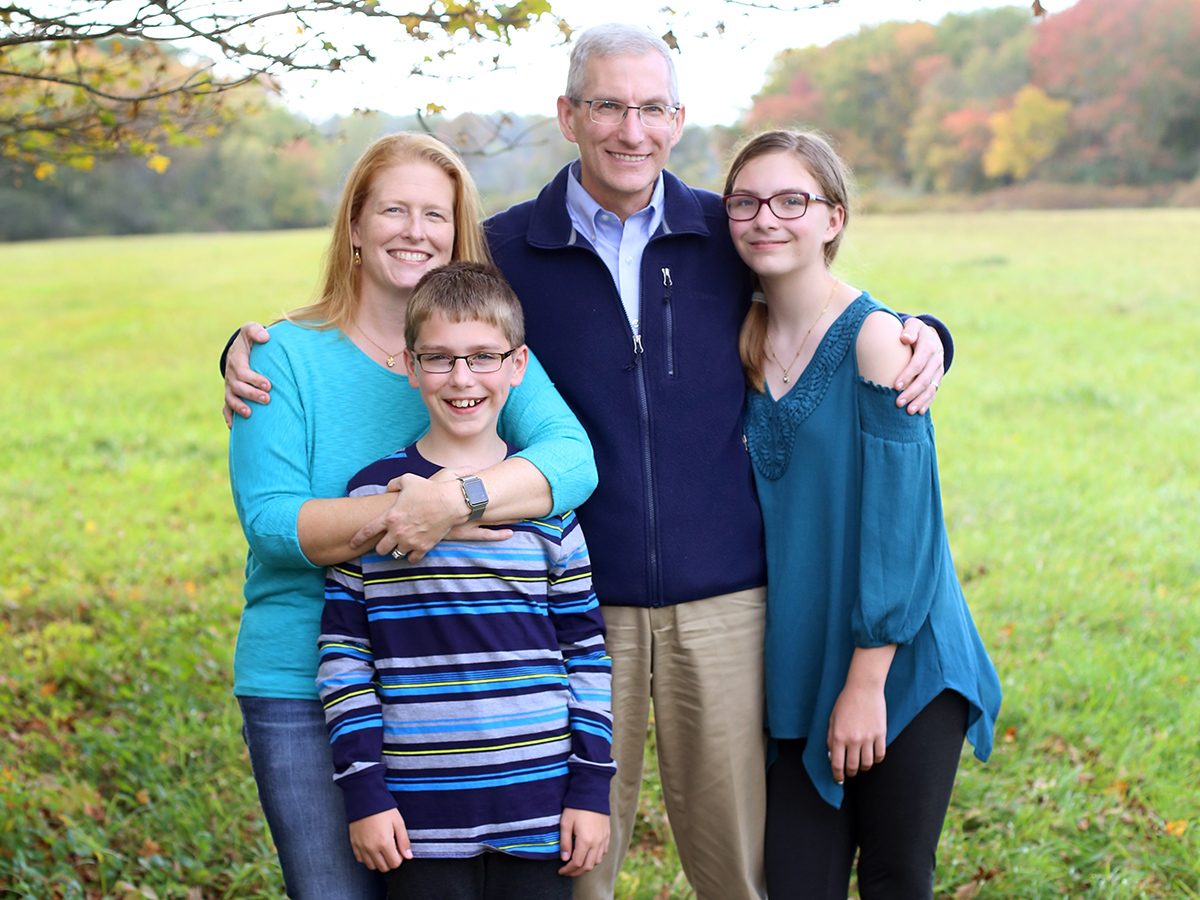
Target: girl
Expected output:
[874,668]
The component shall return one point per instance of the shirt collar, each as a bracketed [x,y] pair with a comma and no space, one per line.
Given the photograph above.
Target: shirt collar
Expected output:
[584,209]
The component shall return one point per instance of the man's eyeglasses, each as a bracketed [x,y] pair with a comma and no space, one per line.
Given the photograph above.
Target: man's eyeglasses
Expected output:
[786,205]
[610,112]
[443,363]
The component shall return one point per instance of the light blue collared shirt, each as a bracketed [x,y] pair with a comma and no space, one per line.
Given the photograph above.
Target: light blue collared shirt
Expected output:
[619,245]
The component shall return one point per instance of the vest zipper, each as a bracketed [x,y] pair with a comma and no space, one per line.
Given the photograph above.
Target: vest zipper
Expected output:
[648,471]
[669,324]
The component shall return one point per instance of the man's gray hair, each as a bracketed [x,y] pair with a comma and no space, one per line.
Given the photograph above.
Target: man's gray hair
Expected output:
[615,39]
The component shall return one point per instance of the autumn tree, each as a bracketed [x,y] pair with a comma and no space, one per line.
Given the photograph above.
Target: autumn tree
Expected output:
[1026,134]
[1131,72]
[94,78]
[980,61]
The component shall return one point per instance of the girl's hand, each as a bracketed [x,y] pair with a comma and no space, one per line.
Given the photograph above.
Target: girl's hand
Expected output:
[857,731]
[583,837]
[857,736]
[380,841]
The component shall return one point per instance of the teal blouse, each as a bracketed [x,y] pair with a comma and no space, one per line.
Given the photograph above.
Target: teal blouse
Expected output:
[857,554]
[334,410]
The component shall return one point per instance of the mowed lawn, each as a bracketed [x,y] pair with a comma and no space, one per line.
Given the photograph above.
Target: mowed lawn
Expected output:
[1068,431]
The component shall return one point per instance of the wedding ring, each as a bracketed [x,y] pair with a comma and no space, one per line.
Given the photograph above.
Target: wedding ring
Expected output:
[398,554]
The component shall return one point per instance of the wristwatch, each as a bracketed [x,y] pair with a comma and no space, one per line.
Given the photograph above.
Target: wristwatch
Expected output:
[475,494]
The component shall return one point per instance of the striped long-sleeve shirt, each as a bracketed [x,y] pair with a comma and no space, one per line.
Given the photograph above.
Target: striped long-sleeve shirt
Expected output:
[469,689]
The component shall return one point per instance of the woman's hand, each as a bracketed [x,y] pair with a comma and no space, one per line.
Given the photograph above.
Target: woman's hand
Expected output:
[425,512]
[583,838]
[380,841]
[242,382]
[919,381]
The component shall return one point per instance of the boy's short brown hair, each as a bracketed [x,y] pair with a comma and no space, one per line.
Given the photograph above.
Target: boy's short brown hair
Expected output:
[462,292]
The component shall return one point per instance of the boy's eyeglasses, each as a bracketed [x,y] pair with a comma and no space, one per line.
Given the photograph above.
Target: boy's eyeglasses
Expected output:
[787,205]
[443,363]
[610,112]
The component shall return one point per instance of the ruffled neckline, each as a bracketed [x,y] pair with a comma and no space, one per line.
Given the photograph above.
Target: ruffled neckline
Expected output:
[770,424]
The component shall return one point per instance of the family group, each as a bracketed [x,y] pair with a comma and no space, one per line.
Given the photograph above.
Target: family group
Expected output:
[627,453]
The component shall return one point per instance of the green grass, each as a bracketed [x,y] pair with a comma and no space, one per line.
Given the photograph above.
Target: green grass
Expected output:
[1067,434]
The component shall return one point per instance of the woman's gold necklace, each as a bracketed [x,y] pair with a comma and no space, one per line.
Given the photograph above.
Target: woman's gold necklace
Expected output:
[391,357]
[788,368]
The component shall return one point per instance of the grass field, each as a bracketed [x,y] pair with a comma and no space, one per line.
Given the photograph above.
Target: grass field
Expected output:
[1068,433]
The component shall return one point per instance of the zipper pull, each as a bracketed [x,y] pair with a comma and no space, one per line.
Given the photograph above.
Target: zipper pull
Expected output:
[666,274]
[637,351]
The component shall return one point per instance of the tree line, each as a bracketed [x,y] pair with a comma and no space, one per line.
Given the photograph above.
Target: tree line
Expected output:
[1105,92]
[272,168]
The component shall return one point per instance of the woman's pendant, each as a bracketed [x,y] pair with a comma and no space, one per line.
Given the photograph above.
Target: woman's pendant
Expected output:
[391,362]
[785,378]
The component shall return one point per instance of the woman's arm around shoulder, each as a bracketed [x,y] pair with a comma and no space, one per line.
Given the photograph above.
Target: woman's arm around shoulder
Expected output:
[268,468]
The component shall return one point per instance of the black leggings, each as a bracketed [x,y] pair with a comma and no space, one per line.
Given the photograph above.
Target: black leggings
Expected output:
[489,876]
[893,814]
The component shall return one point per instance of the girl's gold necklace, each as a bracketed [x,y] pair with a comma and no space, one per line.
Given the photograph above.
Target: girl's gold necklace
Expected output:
[788,368]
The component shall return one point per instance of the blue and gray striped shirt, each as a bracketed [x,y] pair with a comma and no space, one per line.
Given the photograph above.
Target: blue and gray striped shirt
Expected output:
[469,689]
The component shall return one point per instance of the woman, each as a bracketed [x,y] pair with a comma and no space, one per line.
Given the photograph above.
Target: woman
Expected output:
[875,671]
[341,402]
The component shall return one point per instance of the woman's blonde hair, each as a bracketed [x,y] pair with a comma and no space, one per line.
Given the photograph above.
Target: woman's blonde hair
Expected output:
[341,283]
[833,176]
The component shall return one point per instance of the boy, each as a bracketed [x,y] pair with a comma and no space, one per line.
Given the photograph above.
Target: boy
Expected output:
[467,694]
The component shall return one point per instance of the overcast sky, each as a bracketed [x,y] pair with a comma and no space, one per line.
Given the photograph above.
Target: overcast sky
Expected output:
[717,74]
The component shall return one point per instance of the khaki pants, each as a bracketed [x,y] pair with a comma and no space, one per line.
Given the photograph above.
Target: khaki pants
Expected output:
[702,664]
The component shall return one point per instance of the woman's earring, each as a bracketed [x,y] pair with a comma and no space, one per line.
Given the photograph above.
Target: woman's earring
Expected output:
[357,257]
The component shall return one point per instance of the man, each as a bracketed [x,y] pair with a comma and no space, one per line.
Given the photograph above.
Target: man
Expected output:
[633,298]
[638,271]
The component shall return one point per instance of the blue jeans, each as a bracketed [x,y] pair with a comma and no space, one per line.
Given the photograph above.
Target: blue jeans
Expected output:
[293,768]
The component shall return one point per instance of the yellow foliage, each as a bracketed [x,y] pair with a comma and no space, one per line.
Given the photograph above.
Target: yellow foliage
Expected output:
[1026,134]
[158,163]
[44,170]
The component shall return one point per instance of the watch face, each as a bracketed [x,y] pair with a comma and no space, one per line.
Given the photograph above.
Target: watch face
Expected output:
[475,491]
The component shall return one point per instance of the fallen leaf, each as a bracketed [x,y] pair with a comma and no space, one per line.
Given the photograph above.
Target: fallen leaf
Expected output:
[967,891]
[1177,827]
[149,848]
[1010,734]
[143,796]
[1083,824]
